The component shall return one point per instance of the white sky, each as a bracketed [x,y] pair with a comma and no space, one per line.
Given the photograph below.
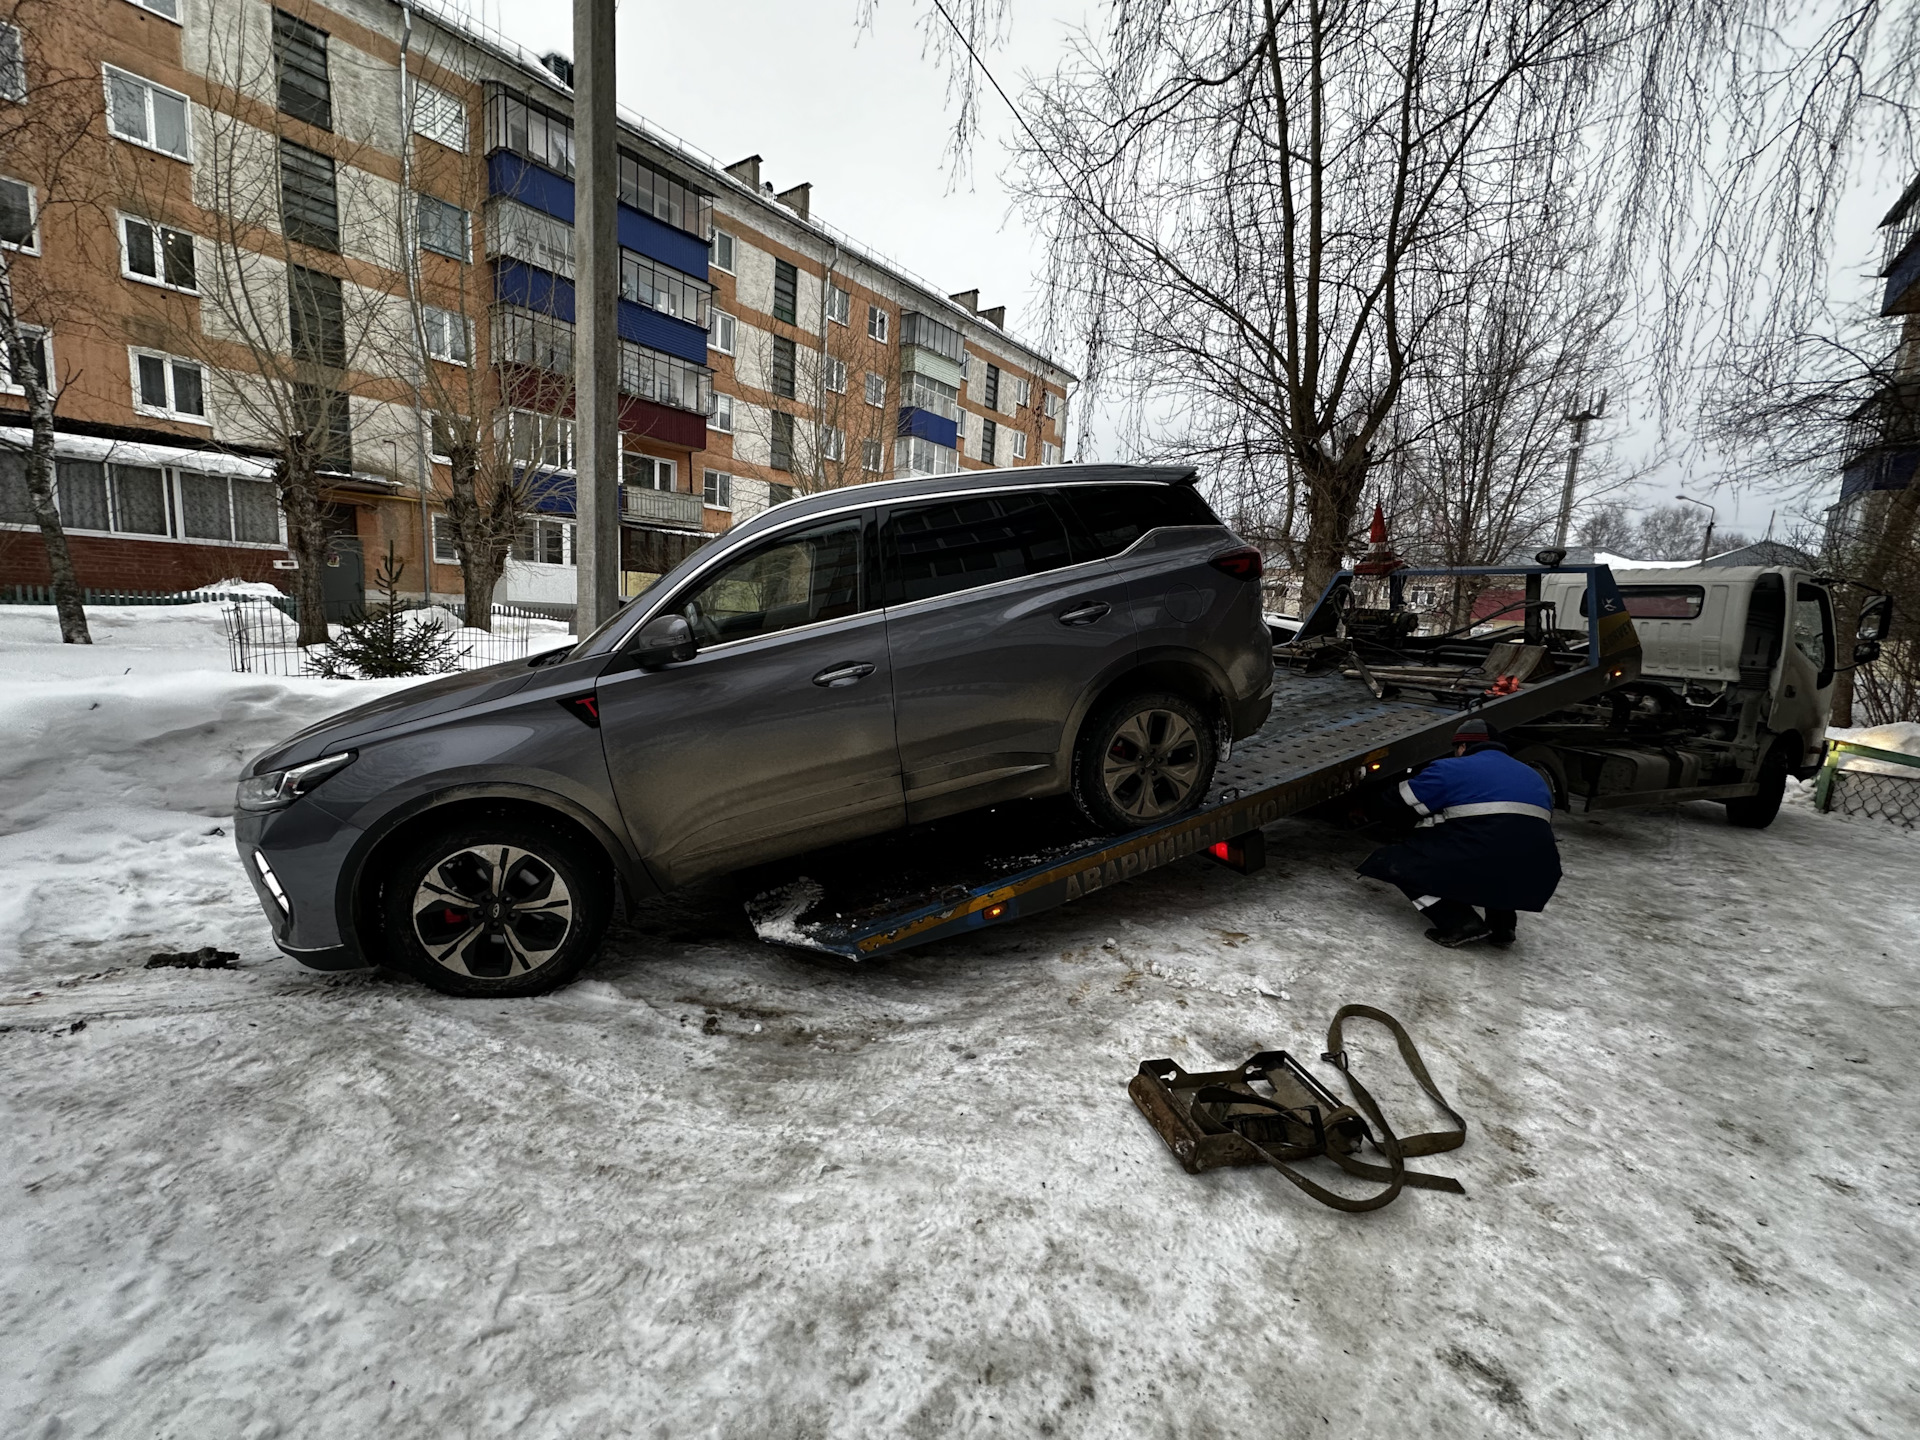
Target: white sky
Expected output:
[862,114]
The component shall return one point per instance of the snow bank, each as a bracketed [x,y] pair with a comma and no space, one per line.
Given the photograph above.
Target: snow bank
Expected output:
[1901,737]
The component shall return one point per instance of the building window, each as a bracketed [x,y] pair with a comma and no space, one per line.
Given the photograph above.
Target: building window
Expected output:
[443,228]
[722,417]
[1022,392]
[993,387]
[930,334]
[923,457]
[720,251]
[876,324]
[215,507]
[439,116]
[441,434]
[716,490]
[19,224]
[839,305]
[168,9]
[541,135]
[833,443]
[786,292]
[13,65]
[721,331]
[872,456]
[646,472]
[1049,453]
[317,326]
[876,389]
[922,393]
[327,416]
[520,232]
[148,114]
[780,440]
[542,542]
[526,337]
[447,334]
[309,199]
[174,389]
[1019,439]
[1052,405]
[445,551]
[989,434]
[29,354]
[665,379]
[836,375]
[783,368]
[300,58]
[647,282]
[539,440]
[127,499]
[157,255]
[667,198]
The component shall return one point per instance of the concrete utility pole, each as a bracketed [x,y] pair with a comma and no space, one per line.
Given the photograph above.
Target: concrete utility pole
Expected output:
[1579,422]
[596,340]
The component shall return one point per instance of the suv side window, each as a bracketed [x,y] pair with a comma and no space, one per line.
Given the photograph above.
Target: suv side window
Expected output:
[958,544]
[798,578]
[1109,518]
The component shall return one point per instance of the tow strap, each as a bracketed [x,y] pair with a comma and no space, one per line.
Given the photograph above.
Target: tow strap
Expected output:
[1217,1117]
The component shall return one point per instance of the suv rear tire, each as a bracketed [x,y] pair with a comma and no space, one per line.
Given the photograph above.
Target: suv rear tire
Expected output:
[1142,759]
[494,908]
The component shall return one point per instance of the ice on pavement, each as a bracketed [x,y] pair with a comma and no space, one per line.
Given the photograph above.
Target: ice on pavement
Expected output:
[718,1187]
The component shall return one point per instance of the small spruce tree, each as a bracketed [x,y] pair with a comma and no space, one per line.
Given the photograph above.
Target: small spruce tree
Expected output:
[383,641]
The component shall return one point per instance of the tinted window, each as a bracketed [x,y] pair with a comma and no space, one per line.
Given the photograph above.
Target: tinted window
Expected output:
[1659,602]
[1109,518]
[951,545]
[801,577]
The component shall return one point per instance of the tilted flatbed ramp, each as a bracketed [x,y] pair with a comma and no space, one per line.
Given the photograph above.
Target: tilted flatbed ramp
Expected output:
[1328,733]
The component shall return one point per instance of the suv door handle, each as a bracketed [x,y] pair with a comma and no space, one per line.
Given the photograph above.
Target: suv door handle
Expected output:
[838,677]
[1086,613]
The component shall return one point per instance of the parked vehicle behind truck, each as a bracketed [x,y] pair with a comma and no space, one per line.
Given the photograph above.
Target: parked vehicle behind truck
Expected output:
[1734,694]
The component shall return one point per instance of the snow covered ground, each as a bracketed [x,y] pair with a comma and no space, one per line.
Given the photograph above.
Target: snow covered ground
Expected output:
[720,1188]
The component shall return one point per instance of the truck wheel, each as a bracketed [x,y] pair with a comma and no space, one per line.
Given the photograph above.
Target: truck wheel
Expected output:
[1756,811]
[1550,768]
[1141,759]
[494,908]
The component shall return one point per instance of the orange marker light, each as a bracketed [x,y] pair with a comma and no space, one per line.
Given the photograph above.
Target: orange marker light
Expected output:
[994,912]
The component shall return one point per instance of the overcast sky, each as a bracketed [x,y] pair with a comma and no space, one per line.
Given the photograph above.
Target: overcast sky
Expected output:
[863,115]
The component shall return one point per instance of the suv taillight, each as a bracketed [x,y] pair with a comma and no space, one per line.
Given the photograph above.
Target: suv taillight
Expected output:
[1243,563]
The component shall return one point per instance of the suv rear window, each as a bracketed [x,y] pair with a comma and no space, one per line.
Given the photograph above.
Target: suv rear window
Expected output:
[949,545]
[1659,602]
[1109,518]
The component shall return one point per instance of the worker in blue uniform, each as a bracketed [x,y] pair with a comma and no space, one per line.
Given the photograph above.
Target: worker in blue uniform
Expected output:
[1484,837]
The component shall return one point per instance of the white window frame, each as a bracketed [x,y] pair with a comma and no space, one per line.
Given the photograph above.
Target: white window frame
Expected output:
[1022,391]
[873,457]
[839,304]
[147,6]
[721,403]
[719,322]
[656,461]
[879,324]
[466,227]
[1052,405]
[140,407]
[107,72]
[1049,453]
[8,385]
[836,372]
[722,494]
[121,220]
[33,218]
[443,530]
[882,401]
[16,66]
[439,114]
[448,319]
[833,442]
[1019,440]
[732,247]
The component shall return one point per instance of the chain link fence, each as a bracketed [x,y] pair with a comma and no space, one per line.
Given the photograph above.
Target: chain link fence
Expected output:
[1867,781]
[263,634]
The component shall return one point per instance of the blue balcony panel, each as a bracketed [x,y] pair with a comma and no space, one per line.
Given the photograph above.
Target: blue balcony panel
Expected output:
[552,194]
[1880,470]
[1898,298]
[928,426]
[518,284]
[553,491]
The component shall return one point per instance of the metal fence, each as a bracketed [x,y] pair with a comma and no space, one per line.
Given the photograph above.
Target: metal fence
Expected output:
[263,634]
[1891,795]
[43,595]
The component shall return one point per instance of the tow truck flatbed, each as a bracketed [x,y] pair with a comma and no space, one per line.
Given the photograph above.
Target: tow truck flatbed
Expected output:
[1328,733]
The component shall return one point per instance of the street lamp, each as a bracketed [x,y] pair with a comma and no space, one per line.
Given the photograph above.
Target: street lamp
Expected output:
[1706,543]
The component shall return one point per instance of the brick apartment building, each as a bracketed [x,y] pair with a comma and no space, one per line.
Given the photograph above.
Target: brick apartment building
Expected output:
[390,192]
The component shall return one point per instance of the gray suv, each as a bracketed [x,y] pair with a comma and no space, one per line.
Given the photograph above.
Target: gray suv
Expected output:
[841,665]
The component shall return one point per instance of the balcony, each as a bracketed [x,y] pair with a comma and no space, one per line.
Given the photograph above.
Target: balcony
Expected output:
[1900,259]
[661,507]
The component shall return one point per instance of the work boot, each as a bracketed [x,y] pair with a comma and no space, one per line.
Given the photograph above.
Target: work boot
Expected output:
[1455,924]
[1500,924]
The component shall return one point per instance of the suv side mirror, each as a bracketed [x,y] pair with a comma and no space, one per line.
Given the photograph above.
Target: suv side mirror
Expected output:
[1876,619]
[663,640]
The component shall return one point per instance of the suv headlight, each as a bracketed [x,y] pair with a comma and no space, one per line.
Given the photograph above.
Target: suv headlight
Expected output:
[277,789]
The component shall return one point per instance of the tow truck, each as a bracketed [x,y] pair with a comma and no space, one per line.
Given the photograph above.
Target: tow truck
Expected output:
[1342,716]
